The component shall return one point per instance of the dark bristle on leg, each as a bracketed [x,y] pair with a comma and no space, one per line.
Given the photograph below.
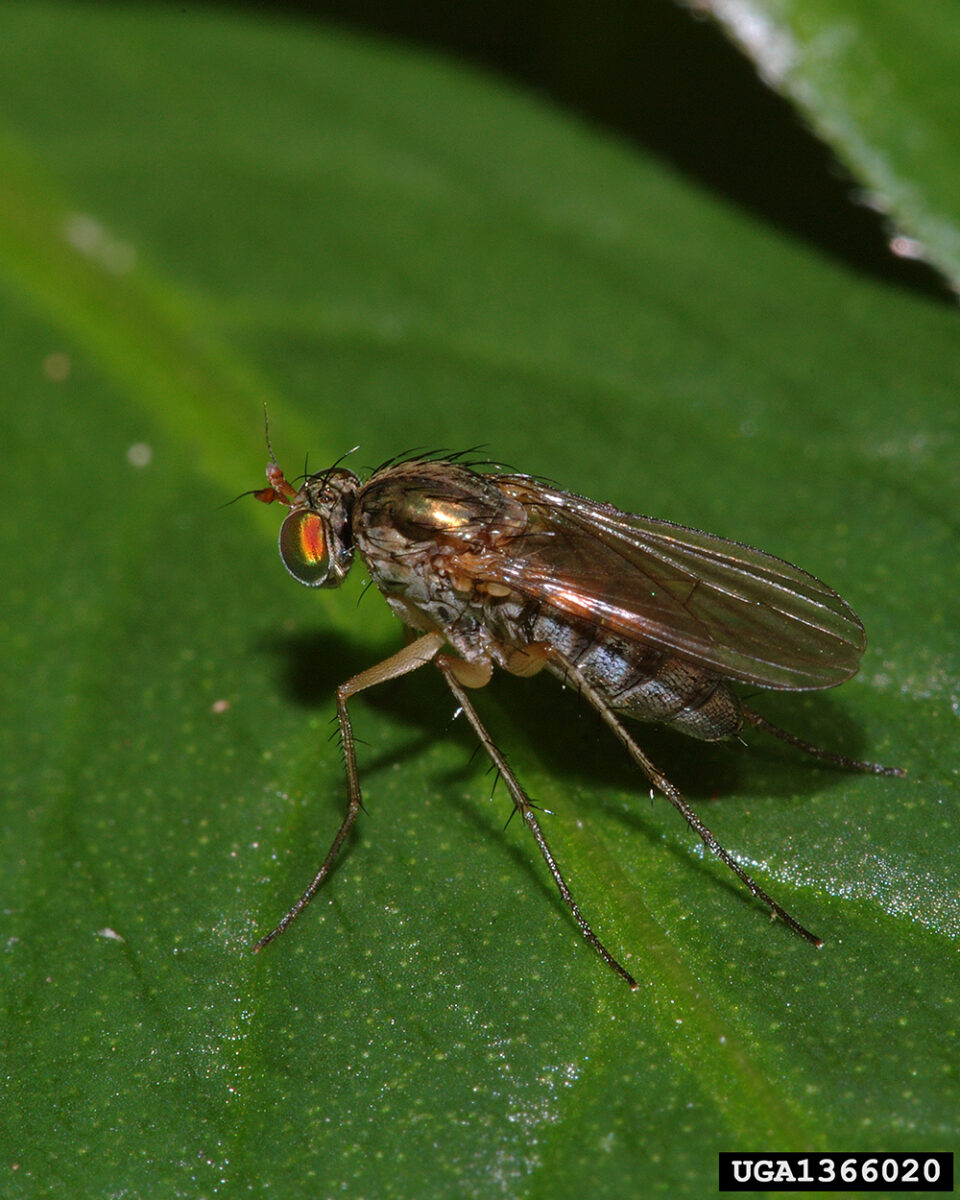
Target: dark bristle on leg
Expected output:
[672,793]
[836,760]
[524,806]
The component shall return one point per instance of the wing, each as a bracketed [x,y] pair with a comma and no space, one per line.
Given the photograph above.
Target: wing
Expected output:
[717,603]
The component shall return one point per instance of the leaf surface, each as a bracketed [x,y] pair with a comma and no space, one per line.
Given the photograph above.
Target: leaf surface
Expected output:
[200,213]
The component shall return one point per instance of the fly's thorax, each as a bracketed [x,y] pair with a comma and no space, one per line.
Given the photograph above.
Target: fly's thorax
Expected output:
[420,527]
[426,503]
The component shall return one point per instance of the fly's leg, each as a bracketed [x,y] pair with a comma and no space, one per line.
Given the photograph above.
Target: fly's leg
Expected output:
[837,760]
[416,654]
[449,668]
[672,793]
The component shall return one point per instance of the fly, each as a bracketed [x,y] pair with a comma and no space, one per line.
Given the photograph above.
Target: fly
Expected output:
[645,619]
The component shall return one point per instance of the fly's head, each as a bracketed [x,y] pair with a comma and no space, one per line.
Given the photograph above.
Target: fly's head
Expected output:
[316,540]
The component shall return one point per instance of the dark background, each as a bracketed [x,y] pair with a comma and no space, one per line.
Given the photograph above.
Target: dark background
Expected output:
[663,79]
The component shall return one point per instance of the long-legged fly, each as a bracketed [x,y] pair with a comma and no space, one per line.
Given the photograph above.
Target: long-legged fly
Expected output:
[647,620]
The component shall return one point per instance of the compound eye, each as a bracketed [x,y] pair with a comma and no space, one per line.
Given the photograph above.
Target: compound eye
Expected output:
[304,549]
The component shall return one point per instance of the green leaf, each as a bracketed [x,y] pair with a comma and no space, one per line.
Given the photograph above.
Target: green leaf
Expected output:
[198,214]
[878,81]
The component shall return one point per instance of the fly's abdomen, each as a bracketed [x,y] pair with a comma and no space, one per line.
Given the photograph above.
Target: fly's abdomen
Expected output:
[643,683]
[698,704]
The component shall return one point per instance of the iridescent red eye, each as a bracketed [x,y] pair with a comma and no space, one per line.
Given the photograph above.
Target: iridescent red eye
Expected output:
[303,548]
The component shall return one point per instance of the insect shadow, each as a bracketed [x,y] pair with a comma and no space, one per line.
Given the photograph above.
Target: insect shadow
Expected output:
[562,733]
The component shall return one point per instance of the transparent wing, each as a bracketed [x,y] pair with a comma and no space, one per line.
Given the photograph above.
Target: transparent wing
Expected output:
[748,615]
